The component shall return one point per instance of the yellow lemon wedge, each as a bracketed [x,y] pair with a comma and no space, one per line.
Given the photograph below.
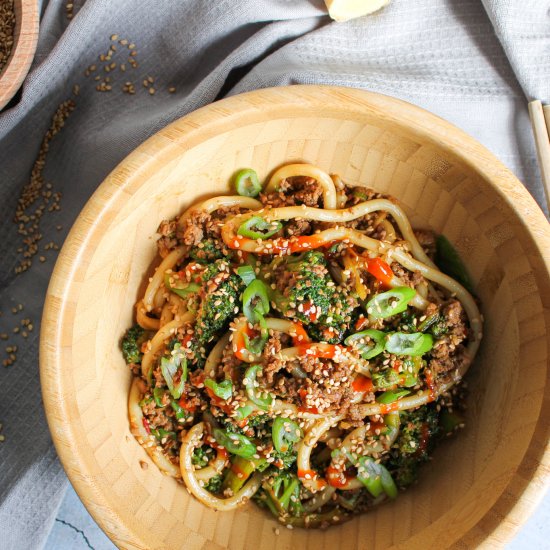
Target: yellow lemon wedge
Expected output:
[343,10]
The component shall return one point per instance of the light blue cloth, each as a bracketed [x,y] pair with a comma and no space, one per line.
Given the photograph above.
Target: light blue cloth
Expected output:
[440,54]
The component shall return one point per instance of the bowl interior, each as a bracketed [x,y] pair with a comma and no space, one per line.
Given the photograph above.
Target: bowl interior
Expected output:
[444,180]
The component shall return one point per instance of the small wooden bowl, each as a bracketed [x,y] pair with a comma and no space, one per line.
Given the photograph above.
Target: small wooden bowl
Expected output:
[481,484]
[19,62]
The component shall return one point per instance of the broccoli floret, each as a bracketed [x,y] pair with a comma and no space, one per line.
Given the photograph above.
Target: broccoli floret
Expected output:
[201,457]
[288,458]
[257,420]
[206,252]
[223,289]
[406,322]
[417,439]
[419,429]
[214,484]
[439,328]
[131,344]
[281,494]
[434,324]
[312,296]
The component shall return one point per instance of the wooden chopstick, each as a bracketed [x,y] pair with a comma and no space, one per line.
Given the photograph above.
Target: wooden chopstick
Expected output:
[546,111]
[541,130]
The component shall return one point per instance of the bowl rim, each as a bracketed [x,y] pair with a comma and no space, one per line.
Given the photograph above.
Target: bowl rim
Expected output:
[19,62]
[527,485]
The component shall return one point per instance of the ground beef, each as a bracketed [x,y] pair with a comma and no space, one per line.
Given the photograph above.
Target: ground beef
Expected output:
[165,245]
[193,229]
[431,309]
[355,195]
[293,191]
[379,233]
[328,386]
[454,315]
[159,379]
[135,368]
[287,388]
[167,240]
[410,278]
[298,226]
[272,362]
[426,238]
[228,364]
[445,362]
[448,352]
[167,228]
[159,417]
[213,226]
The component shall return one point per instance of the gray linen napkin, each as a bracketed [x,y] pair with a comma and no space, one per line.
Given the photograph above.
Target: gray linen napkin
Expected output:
[440,54]
[523,28]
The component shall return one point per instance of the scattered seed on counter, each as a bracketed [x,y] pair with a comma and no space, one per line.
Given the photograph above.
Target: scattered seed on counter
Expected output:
[37,196]
[69,10]
[7,27]
[21,328]
[129,88]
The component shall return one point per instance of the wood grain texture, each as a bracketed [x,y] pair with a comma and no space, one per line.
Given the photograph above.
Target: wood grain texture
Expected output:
[25,38]
[480,486]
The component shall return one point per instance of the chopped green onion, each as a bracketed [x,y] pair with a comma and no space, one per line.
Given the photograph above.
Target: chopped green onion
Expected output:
[181,413]
[161,433]
[393,423]
[237,475]
[375,477]
[390,303]
[388,484]
[145,401]
[244,412]
[385,378]
[390,396]
[283,494]
[284,433]
[179,287]
[256,301]
[428,322]
[171,366]
[372,346]
[247,183]
[411,368]
[368,473]
[448,260]
[256,345]
[236,444]
[250,385]
[404,343]
[157,395]
[257,227]
[246,273]
[223,390]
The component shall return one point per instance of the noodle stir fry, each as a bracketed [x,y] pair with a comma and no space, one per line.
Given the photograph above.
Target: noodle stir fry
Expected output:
[299,345]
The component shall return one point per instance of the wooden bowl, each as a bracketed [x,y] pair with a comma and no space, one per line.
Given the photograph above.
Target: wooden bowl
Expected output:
[24,46]
[481,484]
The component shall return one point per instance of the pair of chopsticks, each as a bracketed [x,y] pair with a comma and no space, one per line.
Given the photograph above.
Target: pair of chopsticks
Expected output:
[540,120]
